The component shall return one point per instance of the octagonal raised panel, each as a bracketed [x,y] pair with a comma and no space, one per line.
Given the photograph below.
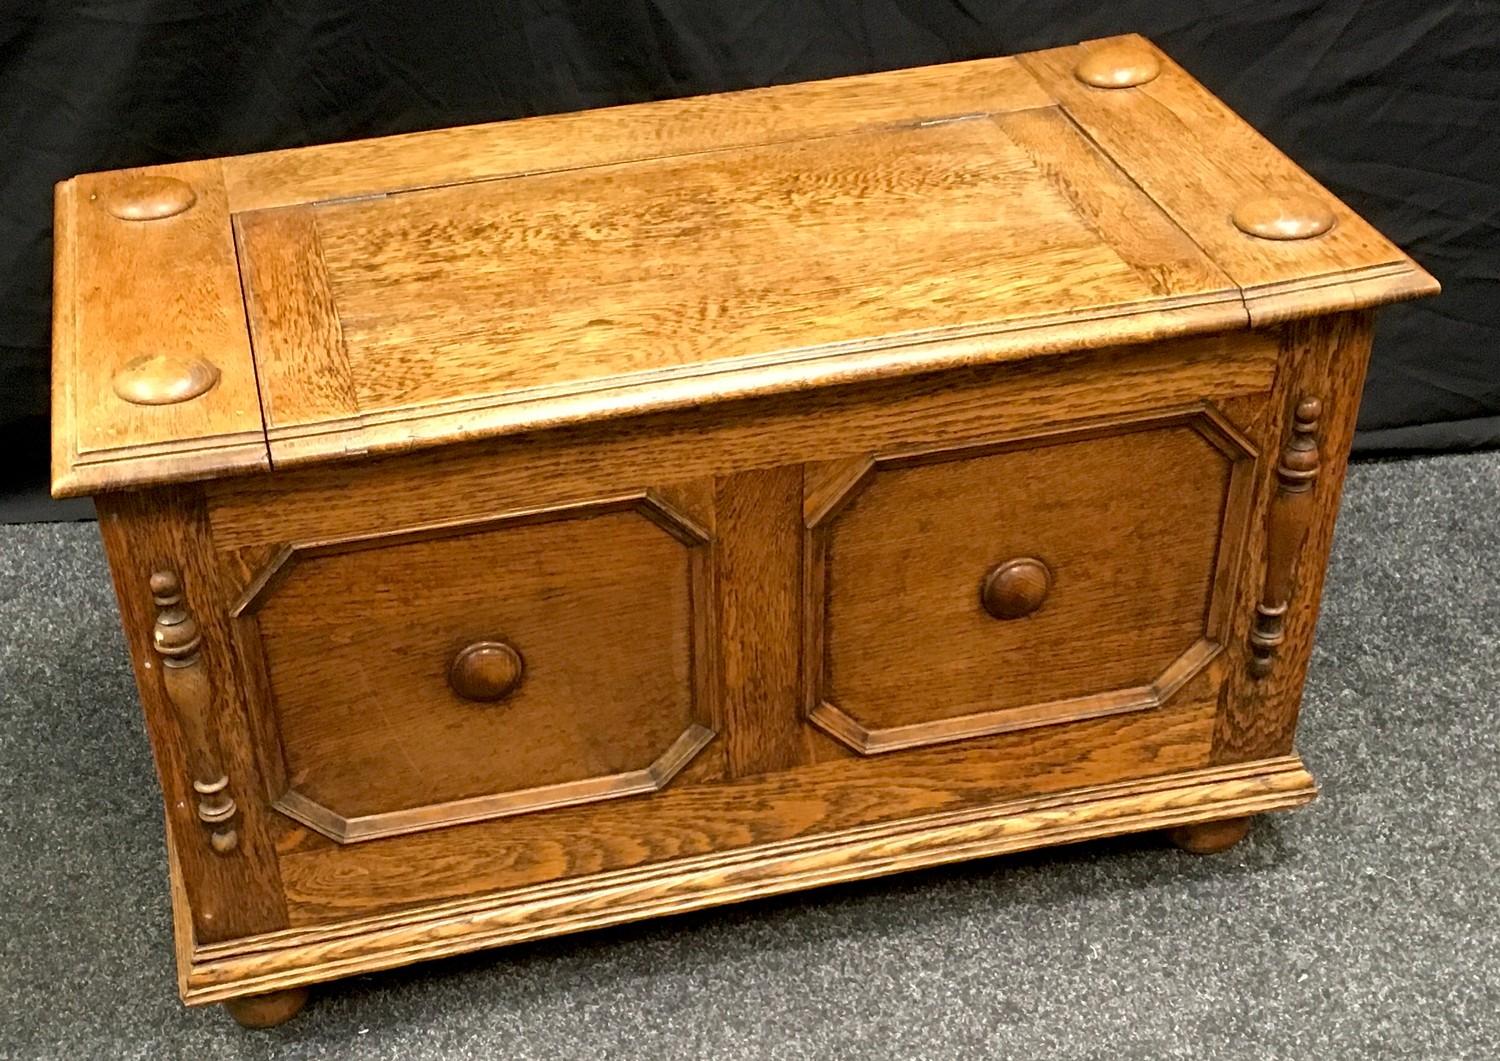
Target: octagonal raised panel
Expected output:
[1118,542]
[393,709]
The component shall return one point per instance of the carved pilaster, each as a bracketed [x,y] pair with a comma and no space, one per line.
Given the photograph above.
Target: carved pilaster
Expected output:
[1291,515]
[176,638]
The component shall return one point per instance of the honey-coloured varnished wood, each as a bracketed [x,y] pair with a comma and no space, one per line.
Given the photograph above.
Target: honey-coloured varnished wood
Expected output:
[1122,65]
[486,671]
[161,380]
[1284,217]
[311,955]
[907,652]
[396,708]
[1016,588]
[224,894]
[353,267]
[149,197]
[1325,358]
[1199,161]
[177,640]
[531,527]
[1291,514]
[127,290]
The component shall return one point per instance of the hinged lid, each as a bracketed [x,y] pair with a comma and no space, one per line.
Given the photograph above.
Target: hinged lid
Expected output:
[308,305]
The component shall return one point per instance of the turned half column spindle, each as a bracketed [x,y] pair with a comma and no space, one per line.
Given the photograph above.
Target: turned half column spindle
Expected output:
[176,638]
[1291,515]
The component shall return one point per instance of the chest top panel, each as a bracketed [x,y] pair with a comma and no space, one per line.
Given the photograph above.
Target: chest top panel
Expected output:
[315,304]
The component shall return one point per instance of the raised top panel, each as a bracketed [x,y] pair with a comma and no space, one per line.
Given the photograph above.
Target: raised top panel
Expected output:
[508,303]
[241,314]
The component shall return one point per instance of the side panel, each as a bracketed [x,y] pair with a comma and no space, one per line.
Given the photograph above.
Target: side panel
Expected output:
[234,892]
[1324,360]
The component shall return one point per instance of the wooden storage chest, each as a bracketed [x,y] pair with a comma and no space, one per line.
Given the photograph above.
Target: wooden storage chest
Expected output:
[535,526]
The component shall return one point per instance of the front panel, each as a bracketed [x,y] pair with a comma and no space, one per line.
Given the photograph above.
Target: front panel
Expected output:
[1027,581]
[629,732]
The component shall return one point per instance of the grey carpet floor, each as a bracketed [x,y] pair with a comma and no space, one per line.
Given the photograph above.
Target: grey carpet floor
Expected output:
[1365,925]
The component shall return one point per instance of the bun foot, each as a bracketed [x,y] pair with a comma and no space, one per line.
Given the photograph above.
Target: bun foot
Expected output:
[268,1010]
[1209,838]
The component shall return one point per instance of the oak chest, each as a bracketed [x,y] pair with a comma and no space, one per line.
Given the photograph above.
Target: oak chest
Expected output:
[535,526]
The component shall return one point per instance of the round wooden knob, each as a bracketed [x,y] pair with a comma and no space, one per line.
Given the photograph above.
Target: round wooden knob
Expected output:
[1016,588]
[159,379]
[486,671]
[1118,66]
[1283,217]
[150,198]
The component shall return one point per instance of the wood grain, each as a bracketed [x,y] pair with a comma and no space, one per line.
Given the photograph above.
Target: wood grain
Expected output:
[305,377]
[459,284]
[1199,161]
[358,639]
[178,639]
[503,305]
[758,568]
[1107,199]
[622,134]
[327,883]
[309,956]
[1328,356]
[696,432]
[64,340]
[148,531]
[1292,510]
[133,289]
[908,641]
[348,829]
[562,466]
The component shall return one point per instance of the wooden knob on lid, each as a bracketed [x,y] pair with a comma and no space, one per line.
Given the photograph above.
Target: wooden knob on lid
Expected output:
[1118,66]
[486,671]
[150,198]
[1283,217]
[158,379]
[1016,588]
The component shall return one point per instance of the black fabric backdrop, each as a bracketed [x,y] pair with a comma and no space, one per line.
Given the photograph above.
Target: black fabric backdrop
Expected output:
[1395,105]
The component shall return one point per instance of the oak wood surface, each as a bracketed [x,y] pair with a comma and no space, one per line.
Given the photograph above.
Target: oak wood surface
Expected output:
[359,643]
[1200,161]
[1015,588]
[301,956]
[146,532]
[622,134]
[1326,358]
[326,882]
[497,305]
[908,639]
[561,466]
[299,343]
[468,283]
[757,565]
[178,640]
[129,289]
[620,513]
